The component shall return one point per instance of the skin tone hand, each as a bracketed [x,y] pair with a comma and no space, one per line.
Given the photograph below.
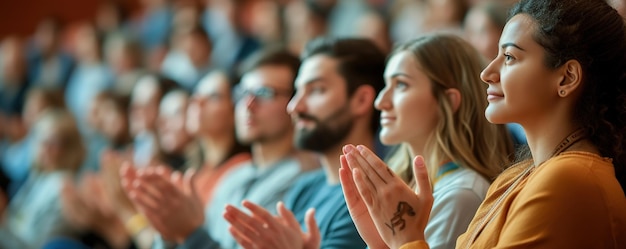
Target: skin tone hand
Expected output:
[357,208]
[399,214]
[111,162]
[168,200]
[261,230]
[87,207]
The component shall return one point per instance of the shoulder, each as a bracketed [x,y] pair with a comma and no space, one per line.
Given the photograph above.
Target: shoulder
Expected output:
[314,177]
[306,185]
[573,177]
[574,169]
[237,174]
[463,183]
[309,181]
[509,174]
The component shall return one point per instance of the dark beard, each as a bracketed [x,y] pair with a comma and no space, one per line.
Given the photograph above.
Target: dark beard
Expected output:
[326,134]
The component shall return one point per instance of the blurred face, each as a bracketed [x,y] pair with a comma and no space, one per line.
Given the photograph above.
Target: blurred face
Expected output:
[47,36]
[86,44]
[482,33]
[262,97]
[144,105]
[519,82]
[120,59]
[13,61]
[264,20]
[50,153]
[445,12]
[409,111]
[211,109]
[172,118]
[320,109]
[197,49]
[185,16]
[107,17]
[33,107]
[113,122]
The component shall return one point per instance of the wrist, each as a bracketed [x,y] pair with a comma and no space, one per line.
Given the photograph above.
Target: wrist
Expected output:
[415,244]
[409,241]
[183,236]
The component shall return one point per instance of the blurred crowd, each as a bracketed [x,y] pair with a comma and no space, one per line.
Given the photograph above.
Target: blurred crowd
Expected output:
[80,101]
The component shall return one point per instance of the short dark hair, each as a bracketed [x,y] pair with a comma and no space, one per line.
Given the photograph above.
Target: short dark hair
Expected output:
[361,62]
[277,56]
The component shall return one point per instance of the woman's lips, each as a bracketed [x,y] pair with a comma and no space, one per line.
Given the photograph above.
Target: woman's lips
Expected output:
[493,95]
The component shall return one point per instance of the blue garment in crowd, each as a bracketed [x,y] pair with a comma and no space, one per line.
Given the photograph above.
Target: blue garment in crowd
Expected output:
[337,230]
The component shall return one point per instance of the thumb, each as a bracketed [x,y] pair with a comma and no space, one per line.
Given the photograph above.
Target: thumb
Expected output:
[422,179]
[311,225]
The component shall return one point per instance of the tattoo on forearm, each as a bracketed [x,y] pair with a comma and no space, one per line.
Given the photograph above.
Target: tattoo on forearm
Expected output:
[397,222]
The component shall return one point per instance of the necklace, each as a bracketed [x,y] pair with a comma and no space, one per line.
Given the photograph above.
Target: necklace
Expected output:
[570,140]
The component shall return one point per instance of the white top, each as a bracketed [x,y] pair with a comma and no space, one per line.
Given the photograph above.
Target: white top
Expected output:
[457,196]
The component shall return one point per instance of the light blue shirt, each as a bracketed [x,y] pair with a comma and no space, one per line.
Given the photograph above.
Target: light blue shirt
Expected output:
[34,215]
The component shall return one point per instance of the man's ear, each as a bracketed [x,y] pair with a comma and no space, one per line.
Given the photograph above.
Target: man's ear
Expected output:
[362,100]
[454,96]
[572,78]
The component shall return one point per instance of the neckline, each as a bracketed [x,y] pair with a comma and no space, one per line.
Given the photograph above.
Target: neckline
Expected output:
[567,142]
[445,170]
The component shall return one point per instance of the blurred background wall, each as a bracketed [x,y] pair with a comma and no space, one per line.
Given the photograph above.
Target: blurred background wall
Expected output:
[20,17]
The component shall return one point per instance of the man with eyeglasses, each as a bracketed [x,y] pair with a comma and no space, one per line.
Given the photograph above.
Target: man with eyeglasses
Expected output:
[333,106]
[261,121]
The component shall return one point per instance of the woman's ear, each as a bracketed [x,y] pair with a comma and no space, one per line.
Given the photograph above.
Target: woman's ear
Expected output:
[454,96]
[362,100]
[572,78]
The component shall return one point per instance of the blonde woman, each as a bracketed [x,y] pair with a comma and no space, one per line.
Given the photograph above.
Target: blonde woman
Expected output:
[432,104]
[34,215]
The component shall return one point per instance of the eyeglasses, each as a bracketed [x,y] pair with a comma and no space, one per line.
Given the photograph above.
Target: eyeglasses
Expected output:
[263,93]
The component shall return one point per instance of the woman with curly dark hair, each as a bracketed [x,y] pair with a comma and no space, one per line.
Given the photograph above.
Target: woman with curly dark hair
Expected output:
[561,74]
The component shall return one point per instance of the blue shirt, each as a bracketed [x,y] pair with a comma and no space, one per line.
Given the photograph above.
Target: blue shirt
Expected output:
[331,213]
[16,160]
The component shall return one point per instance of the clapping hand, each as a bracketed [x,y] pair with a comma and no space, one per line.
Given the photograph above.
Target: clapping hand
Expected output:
[395,213]
[263,230]
[167,199]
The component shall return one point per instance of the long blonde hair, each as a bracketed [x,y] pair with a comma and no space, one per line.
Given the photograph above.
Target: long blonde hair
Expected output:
[463,136]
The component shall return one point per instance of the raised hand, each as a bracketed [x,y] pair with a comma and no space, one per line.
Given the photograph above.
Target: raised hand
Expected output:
[399,214]
[262,230]
[357,208]
[168,200]
[111,162]
[87,207]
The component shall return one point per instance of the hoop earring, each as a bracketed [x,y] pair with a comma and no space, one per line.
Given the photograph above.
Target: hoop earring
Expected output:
[562,93]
